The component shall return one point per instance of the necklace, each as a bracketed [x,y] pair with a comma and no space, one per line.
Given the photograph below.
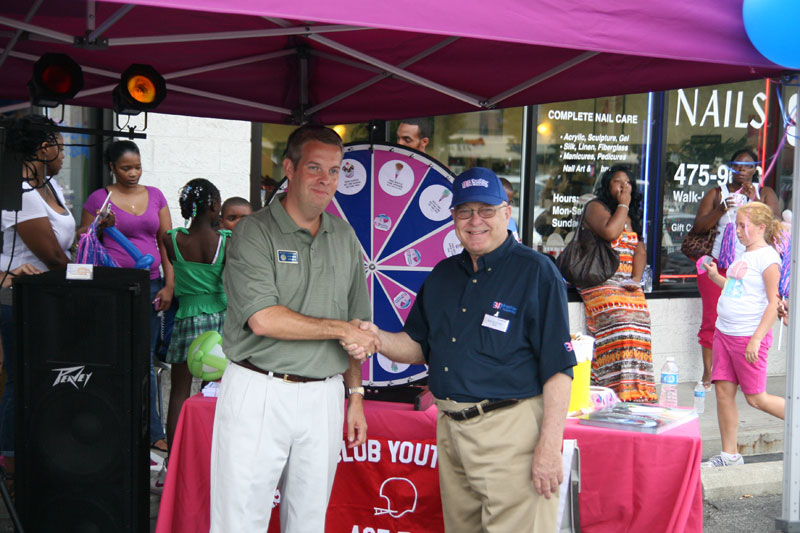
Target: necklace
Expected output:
[124,196]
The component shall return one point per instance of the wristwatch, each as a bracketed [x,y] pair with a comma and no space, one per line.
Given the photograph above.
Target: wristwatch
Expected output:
[355,390]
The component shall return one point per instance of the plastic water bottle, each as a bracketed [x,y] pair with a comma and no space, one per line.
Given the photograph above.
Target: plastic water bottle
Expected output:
[669,383]
[647,279]
[699,397]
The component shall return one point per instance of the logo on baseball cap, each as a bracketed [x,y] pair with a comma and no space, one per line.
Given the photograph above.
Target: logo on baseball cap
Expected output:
[478,184]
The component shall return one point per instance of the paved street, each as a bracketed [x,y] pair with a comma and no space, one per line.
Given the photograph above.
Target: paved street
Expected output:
[742,515]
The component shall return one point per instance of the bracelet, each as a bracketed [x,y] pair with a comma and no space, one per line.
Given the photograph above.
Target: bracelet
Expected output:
[624,205]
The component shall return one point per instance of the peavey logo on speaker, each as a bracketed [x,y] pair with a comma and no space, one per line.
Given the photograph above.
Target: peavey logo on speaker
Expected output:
[73,375]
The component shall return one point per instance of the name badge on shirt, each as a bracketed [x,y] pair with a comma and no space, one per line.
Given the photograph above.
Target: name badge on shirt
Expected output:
[495,322]
[287,256]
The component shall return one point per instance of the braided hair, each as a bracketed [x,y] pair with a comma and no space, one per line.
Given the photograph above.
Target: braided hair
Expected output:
[197,197]
[603,194]
[26,135]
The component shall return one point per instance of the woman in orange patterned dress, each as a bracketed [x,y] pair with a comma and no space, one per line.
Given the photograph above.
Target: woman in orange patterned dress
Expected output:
[616,311]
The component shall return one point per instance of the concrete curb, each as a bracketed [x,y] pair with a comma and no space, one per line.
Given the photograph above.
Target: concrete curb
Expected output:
[749,443]
[755,479]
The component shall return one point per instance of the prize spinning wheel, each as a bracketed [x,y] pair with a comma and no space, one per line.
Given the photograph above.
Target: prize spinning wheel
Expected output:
[398,202]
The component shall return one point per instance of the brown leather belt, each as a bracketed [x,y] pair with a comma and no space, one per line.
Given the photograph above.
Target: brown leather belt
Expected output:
[289,378]
[475,410]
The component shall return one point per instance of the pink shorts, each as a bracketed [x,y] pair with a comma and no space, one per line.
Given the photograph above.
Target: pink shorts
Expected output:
[730,364]
[709,295]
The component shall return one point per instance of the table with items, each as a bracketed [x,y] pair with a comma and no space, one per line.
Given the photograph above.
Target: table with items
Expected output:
[629,481]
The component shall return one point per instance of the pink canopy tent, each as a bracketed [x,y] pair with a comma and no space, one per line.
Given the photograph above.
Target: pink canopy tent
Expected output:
[355,60]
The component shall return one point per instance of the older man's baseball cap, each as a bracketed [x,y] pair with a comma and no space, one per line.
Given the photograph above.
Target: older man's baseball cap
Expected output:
[478,184]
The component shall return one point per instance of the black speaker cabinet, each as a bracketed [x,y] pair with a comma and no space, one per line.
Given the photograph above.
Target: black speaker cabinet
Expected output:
[82,401]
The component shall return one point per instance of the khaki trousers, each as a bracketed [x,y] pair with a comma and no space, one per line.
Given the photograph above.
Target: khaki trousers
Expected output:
[485,470]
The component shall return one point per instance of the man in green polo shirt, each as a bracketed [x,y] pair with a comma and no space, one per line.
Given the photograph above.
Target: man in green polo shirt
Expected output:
[294,278]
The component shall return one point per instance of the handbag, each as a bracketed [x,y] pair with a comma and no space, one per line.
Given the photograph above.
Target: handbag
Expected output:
[587,260]
[696,245]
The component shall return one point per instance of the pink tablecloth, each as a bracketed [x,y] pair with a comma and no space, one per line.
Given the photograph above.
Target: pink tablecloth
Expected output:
[635,482]
[630,481]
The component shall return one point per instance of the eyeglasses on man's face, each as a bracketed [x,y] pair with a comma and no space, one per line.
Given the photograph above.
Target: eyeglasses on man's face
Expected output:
[487,211]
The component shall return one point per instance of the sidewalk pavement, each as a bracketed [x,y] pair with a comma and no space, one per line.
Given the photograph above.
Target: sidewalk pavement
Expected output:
[759,434]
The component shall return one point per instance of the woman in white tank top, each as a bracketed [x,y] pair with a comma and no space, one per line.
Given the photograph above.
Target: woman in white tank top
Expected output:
[717,205]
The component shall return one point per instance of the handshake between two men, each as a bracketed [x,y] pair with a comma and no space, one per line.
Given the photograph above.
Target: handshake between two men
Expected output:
[398,347]
[361,341]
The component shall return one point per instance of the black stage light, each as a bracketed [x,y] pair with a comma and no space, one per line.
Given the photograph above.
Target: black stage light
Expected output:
[140,88]
[56,78]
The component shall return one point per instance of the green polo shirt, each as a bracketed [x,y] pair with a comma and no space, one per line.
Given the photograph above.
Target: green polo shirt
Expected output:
[272,261]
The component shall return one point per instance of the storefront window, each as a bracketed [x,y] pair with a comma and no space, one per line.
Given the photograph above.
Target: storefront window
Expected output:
[491,139]
[784,167]
[705,126]
[576,142]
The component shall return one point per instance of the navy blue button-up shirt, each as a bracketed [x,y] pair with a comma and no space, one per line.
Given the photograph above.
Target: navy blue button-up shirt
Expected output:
[459,316]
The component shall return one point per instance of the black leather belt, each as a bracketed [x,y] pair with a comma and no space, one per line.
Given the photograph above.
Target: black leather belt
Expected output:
[475,410]
[290,378]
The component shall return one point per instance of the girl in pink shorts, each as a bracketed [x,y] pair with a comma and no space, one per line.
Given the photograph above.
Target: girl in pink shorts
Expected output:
[746,311]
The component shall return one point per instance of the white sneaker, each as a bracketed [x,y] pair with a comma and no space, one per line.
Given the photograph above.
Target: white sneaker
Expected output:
[723,460]
[157,482]
[156,462]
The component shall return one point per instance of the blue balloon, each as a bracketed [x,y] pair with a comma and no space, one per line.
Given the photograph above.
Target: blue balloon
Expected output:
[772,26]
[142,260]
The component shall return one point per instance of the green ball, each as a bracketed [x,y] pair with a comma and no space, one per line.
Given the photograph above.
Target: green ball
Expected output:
[205,358]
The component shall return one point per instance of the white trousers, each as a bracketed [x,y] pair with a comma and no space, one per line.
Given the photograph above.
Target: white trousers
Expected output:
[266,431]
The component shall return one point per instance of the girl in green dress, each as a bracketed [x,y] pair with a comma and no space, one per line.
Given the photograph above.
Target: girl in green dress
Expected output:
[197,255]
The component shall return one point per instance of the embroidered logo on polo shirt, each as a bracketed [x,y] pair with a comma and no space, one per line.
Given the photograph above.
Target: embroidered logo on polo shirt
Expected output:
[568,346]
[287,256]
[500,306]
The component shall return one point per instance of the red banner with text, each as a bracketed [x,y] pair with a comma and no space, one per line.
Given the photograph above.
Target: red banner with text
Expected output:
[383,486]
[387,486]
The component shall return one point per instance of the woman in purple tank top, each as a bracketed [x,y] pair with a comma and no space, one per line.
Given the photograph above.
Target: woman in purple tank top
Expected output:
[140,213]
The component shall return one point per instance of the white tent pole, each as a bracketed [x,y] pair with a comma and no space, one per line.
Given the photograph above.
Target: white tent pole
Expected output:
[171,87]
[278,21]
[91,15]
[24,26]
[110,21]
[302,78]
[91,70]
[346,61]
[176,88]
[15,107]
[790,517]
[228,64]
[13,42]
[225,35]
[566,65]
[376,79]
[400,73]
[228,99]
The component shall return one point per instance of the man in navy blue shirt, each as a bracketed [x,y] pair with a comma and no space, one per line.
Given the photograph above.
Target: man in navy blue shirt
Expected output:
[492,325]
